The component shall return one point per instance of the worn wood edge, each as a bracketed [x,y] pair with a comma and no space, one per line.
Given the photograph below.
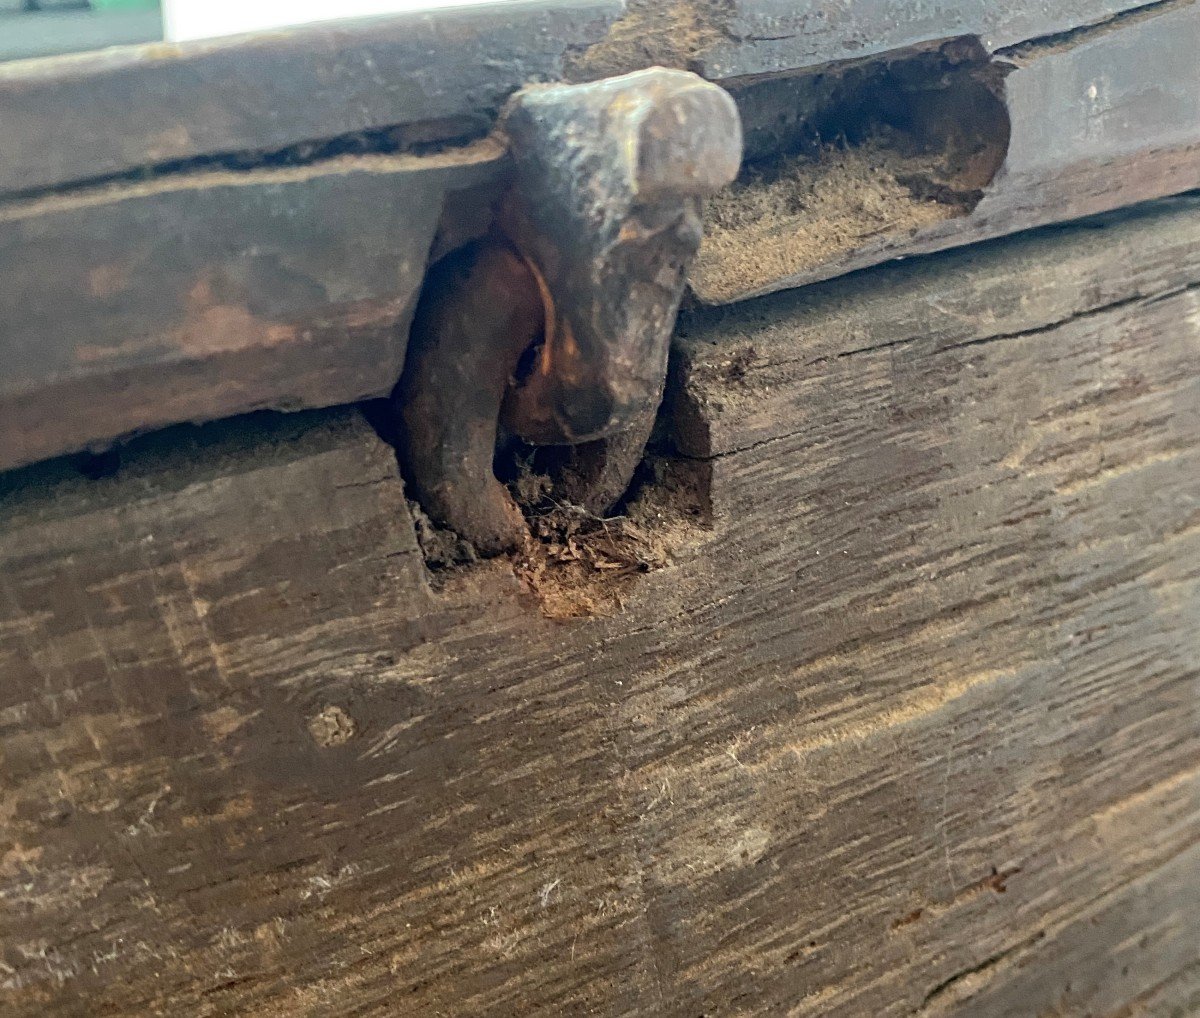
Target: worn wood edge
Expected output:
[529,41]
[927,301]
[72,384]
[173,458]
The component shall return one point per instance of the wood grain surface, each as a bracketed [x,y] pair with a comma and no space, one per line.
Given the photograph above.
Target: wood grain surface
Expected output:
[192,232]
[94,115]
[907,728]
[122,109]
[197,296]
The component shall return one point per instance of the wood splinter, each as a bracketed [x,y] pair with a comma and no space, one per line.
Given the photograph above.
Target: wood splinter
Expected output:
[577,285]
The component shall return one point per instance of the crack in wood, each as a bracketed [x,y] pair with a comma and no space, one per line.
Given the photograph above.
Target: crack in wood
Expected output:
[1058,42]
[990,962]
[1104,309]
[204,174]
[1143,300]
[432,139]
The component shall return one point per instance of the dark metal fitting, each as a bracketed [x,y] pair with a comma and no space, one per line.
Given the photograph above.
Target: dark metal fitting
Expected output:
[577,286]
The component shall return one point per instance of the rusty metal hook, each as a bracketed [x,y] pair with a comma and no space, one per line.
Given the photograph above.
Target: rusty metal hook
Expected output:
[584,269]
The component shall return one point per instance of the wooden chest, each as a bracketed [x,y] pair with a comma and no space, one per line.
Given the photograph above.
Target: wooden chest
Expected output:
[880,699]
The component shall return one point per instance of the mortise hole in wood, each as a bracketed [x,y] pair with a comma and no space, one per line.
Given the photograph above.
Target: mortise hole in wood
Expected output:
[849,156]
[575,564]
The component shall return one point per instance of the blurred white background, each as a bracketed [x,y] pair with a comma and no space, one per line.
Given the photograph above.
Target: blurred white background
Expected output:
[204,19]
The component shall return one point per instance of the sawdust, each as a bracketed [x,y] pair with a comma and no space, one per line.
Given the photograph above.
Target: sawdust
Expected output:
[576,564]
[847,162]
[810,211]
[653,33]
[579,565]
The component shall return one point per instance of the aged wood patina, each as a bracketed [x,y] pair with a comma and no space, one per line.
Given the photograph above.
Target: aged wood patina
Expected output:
[906,726]
[1003,117]
[875,695]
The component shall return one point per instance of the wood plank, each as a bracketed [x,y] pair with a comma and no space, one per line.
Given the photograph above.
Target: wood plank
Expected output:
[209,291]
[746,359]
[729,39]
[196,296]
[129,108]
[907,727]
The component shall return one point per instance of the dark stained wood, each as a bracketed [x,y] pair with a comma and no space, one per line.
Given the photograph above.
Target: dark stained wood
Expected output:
[724,39]
[92,115]
[124,109]
[196,296]
[910,728]
[204,291]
